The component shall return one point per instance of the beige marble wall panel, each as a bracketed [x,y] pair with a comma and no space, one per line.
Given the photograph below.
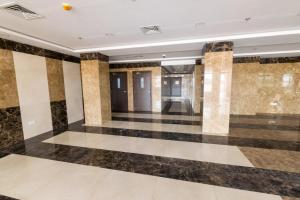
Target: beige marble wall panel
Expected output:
[279,88]
[91,91]
[197,88]
[156,86]
[244,88]
[55,76]
[217,92]
[105,91]
[8,84]
[266,88]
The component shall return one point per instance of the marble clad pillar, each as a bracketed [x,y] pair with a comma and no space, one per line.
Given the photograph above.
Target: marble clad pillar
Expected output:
[96,88]
[217,87]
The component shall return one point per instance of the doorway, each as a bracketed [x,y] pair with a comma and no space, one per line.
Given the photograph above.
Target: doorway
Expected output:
[119,91]
[142,91]
[171,86]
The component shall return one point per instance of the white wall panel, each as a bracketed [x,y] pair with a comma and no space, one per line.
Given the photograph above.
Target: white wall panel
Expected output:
[32,83]
[73,91]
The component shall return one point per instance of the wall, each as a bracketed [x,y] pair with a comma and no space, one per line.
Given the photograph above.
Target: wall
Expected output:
[156,85]
[10,115]
[197,80]
[266,88]
[31,83]
[31,72]
[73,91]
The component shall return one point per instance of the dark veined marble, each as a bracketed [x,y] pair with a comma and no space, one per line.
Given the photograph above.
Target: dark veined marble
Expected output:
[11,131]
[266,60]
[6,198]
[231,125]
[59,114]
[217,47]
[245,178]
[25,48]
[94,56]
[198,61]
[134,65]
[280,60]
[246,59]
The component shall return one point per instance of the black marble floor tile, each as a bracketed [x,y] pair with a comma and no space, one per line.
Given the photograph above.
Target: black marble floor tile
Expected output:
[2,197]
[187,122]
[245,178]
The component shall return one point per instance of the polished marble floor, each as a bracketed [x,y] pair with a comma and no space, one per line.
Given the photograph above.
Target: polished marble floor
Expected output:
[157,156]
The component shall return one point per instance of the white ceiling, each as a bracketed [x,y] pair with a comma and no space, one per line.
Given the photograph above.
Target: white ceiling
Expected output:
[94,19]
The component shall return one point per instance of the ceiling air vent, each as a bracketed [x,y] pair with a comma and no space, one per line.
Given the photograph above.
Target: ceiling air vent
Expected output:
[20,11]
[149,30]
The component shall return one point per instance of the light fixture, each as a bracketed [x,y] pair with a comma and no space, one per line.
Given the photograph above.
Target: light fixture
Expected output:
[200,24]
[192,41]
[247,19]
[109,34]
[67,7]
[27,37]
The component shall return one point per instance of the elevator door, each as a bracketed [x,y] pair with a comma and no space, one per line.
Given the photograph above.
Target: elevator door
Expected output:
[142,91]
[176,86]
[118,88]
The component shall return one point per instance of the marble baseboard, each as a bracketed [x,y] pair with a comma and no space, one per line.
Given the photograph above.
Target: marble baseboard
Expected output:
[59,114]
[25,48]
[11,131]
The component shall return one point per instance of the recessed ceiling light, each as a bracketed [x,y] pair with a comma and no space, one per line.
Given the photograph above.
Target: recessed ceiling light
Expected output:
[109,34]
[200,24]
[193,41]
[247,19]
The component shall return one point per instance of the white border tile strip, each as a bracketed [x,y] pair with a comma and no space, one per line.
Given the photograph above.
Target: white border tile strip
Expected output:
[215,153]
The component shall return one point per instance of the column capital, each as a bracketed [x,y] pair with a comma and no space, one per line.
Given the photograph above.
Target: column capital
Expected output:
[217,47]
[94,56]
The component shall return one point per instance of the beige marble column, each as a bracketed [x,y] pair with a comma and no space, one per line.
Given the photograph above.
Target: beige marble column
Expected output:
[96,88]
[217,87]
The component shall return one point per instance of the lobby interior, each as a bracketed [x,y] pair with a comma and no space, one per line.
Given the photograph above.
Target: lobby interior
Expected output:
[151,100]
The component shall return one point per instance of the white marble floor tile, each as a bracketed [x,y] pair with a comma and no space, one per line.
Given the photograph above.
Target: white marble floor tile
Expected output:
[67,181]
[222,154]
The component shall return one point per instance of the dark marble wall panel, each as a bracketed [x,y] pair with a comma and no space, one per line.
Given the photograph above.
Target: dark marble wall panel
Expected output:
[94,56]
[25,48]
[59,114]
[246,59]
[280,60]
[218,47]
[135,65]
[10,127]
[266,60]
